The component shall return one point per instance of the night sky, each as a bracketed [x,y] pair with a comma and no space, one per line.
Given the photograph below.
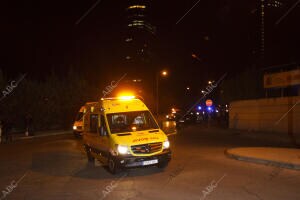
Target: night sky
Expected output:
[40,36]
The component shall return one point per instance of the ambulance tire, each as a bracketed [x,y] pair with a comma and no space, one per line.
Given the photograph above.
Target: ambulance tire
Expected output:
[112,165]
[90,158]
[76,135]
[162,164]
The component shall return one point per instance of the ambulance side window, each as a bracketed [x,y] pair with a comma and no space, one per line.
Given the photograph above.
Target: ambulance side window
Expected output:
[103,128]
[93,123]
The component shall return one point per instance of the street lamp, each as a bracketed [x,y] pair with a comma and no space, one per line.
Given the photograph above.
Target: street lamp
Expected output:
[196,57]
[162,73]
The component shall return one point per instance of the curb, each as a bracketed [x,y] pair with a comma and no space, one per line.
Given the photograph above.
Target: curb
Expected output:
[42,135]
[262,161]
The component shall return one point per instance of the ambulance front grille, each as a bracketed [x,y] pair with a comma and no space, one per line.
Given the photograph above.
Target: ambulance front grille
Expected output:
[146,148]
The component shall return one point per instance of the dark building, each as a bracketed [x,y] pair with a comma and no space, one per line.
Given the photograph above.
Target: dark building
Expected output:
[279,40]
[270,11]
[139,34]
[274,3]
[265,35]
[138,48]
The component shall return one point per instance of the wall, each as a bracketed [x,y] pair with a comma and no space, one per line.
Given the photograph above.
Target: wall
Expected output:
[265,115]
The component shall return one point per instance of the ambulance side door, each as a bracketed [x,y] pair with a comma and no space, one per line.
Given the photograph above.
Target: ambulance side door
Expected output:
[92,134]
[103,140]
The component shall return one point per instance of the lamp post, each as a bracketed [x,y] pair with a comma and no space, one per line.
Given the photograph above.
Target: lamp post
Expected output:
[210,82]
[162,73]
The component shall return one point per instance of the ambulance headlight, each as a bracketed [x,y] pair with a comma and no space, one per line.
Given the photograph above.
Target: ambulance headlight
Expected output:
[74,127]
[166,144]
[123,149]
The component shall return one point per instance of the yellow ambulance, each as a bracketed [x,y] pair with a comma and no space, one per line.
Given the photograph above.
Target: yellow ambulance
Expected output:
[122,133]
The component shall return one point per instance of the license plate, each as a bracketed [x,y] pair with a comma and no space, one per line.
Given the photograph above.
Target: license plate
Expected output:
[150,162]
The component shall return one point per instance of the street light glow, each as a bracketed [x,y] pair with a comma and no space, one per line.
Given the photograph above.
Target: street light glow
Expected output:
[196,57]
[164,73]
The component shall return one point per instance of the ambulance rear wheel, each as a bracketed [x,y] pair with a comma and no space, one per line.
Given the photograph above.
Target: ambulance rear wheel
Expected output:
[90,158]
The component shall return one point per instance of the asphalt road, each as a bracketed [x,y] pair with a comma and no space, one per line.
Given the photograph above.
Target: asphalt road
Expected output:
[56,168]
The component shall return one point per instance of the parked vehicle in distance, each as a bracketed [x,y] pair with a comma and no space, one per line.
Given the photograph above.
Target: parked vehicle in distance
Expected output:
[79,120]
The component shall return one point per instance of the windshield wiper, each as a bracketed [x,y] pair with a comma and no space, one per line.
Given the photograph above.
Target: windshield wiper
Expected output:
[153,131]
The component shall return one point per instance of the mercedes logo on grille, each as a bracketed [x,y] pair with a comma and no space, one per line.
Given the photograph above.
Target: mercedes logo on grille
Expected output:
[147,148]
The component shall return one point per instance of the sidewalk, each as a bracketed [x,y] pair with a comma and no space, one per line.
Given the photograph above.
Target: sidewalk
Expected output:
[279,157]
[21,136]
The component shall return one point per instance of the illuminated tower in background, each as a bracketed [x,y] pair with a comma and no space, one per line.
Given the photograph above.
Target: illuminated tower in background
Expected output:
[262,29]
[140,32]
[138,48]
[267,8]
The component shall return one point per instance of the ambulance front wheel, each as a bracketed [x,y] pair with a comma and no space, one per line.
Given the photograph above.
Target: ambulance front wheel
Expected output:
[113,165]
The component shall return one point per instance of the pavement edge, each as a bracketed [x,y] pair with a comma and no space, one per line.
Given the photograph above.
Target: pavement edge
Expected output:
[261,161]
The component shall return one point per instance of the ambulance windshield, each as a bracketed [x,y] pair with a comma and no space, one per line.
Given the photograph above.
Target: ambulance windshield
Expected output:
[131,121]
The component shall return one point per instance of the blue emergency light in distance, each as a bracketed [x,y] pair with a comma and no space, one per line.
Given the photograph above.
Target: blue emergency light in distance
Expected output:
[209,109]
